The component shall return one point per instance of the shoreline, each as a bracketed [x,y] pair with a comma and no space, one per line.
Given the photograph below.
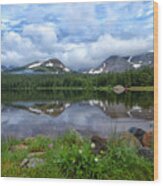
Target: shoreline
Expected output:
[104,89]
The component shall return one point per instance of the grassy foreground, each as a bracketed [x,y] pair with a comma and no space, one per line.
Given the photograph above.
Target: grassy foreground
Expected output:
[71,156]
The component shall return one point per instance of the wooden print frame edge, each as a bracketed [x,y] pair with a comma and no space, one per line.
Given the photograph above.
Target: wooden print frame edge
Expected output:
[155,90]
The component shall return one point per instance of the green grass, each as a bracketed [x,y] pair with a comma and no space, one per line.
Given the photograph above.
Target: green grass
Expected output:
[71,156]
[103,89]
[141,88]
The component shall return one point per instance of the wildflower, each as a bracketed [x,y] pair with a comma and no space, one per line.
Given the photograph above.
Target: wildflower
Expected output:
[80,151]
[50,145]
[93,145]
[101,152]
[96,159]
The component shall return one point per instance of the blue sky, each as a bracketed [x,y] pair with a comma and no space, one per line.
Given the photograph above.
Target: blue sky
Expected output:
[81,35]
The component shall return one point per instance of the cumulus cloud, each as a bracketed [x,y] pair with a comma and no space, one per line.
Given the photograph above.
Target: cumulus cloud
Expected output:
[18,50]
[92,54]
[81,35]
[44,35]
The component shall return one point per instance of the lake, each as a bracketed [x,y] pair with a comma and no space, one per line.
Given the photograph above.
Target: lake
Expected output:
[52,113]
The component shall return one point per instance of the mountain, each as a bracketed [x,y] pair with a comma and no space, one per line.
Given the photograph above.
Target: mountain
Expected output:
[121,64]
[53,65]
[5,68]
[111,64]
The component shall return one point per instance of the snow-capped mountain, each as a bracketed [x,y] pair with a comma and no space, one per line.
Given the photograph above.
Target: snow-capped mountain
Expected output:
[111,64]
[121,64]
[53,65]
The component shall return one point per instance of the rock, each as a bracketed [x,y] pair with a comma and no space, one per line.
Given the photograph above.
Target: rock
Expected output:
[19,147]
[147,139]
[137,132]
[24,162]
[146,152]
[32,154]
[29,140]
[130,140]
[31,162]
[118,89]
[98,144]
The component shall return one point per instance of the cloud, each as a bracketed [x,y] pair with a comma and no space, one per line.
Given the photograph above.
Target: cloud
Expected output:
[18,50]
[44,35]
[81,35]
[92,54]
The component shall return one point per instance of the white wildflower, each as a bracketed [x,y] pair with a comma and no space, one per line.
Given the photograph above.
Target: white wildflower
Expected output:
[93,145]
[80,151]
[101,152]
[96,159]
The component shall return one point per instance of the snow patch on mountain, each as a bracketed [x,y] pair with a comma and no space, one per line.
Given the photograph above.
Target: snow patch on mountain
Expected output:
[97,71]
[35,65]
[136,66]
[66,69]
[49,64]
[129,59]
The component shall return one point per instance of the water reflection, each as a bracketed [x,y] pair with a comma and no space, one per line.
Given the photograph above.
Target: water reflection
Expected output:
[54,114]
[53,108]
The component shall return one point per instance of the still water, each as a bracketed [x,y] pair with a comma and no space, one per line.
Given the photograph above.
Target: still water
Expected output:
[52,113]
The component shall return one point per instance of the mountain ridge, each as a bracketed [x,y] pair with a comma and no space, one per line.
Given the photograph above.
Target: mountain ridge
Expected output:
[113,63]
[120,64]
[52,65]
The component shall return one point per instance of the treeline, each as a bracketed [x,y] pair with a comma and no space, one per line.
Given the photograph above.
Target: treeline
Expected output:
[143,77]
[129,99]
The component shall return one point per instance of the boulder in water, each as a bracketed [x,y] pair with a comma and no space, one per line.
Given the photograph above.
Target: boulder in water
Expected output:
[118,89]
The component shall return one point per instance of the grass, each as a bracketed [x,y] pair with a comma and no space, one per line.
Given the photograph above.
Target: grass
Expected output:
[141,88]
[71,156]
[104,88]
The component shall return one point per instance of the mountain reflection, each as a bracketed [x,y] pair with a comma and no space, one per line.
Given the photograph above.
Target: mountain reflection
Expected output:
[113,110]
